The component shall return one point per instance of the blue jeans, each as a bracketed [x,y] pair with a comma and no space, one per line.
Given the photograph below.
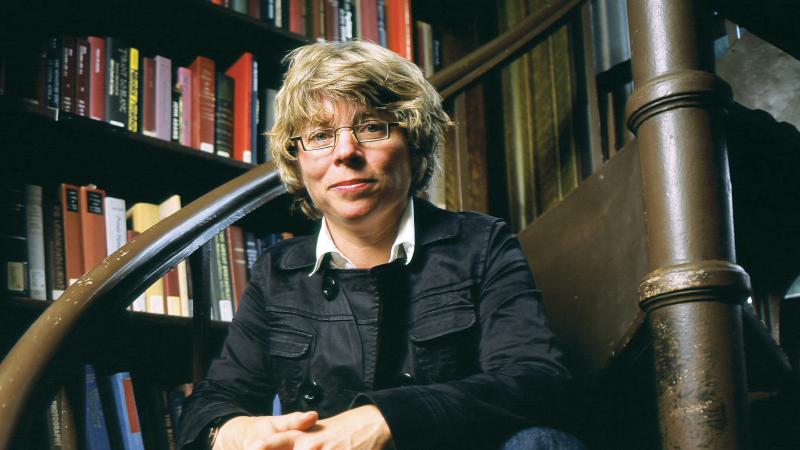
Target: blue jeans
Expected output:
[542,438]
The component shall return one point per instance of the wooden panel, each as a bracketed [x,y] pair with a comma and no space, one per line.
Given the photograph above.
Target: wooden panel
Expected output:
[588,254]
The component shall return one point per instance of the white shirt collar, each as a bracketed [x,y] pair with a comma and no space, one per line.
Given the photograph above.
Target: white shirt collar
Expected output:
[403,245]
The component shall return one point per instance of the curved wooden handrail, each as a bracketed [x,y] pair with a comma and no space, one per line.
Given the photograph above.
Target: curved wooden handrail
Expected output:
[131,269]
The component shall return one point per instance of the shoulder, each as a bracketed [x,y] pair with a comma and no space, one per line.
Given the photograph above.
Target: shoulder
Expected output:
[434,223]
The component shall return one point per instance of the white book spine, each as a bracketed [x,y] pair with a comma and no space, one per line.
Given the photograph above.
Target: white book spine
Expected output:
[36,266]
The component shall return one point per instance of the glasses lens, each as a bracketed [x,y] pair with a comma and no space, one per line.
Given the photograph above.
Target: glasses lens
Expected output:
[319,138]
[371,131]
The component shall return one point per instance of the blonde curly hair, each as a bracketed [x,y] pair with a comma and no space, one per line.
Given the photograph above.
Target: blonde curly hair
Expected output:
[360,73]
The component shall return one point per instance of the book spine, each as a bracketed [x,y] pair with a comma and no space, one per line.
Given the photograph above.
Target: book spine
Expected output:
[116,83]
[296,22]
[223,132]
[97,78]
[254,9]
[139,304]
[368,21]
[224,279]
[127,412]
[116,234]
[398,17]
[383,37]
[251,251]
[94,421]
[242,72]
[13,243]
[185,83]
[93,226]
[203,103]
[54,246]
[163,97]
[35,226]
[53,73]
[237,261]
[176,111]
[82,72]
[71,216]
[133,90]
[68,73]
[253,120]
[148,97]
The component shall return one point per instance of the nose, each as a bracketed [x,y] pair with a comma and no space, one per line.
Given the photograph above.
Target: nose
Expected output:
[346,145]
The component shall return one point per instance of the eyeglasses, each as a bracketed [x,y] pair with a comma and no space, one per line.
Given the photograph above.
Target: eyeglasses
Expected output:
[326,138]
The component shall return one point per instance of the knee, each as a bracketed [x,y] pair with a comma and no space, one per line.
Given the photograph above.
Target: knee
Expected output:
[543,438]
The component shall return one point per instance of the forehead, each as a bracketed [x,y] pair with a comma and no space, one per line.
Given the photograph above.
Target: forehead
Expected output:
[341,113]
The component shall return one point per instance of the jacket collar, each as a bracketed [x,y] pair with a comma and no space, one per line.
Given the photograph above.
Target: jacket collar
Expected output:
[431,225]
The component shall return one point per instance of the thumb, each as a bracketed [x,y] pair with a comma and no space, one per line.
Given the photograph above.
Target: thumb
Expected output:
[295,421]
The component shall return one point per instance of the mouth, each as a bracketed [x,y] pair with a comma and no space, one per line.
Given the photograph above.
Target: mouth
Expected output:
[353,184]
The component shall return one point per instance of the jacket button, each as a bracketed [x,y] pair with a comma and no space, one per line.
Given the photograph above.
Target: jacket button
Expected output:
[311,392]
[329,288]
[406,379]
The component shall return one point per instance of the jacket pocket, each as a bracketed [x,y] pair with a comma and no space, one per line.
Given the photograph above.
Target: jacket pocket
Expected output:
[289,358]
[444,342]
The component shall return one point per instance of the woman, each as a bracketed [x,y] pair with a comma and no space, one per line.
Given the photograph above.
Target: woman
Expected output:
[399,325]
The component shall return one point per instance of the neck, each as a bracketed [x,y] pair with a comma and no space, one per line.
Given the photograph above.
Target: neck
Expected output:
[368,244]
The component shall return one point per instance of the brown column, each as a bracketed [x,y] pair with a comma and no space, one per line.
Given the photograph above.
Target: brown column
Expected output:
[694,291]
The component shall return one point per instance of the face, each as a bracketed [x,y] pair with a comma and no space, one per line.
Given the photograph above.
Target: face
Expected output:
[358,183]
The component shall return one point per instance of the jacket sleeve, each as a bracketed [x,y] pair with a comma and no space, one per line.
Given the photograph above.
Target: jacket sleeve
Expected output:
[521,382]
[237,382]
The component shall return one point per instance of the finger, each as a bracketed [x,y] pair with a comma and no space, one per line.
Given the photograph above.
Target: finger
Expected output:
[295,421]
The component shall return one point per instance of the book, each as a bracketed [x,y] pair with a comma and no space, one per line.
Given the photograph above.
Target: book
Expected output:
[176,281]
[296,19]
[82,75]
[148,94]
[13,242]
[133,89]
[331,16]
[383,37]
[203,103]
[95,431]
[221,290]
[398,28]
[70,199]
[266,121]
[56,271]
[368,21]
[35,240]
[163,97]
[242,73]
[424,52]
[116,105]
[53,73]
[347,20]
[68,71]
[93,226]
[62,429]
[138,304]
[237,261]
[250,251]
[142,216]
[223,122]
[116,234]
[183,85]
[97,78]
[127,415]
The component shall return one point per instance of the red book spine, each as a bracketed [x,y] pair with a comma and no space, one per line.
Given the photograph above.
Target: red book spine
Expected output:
[67,74]
[242,73]
[97,78]
[398,18]
[369,20]
[71,222]
[148,97]
[203,103]
[254,9]
[331,20]
[82,65]
[296,17]
[93,226]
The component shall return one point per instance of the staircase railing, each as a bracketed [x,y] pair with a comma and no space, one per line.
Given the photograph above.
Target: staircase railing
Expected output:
[125,274]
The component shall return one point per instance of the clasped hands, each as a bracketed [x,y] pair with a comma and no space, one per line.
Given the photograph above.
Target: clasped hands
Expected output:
[362,428]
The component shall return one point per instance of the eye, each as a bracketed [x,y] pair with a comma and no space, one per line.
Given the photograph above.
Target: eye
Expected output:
[373,127]
[321,135]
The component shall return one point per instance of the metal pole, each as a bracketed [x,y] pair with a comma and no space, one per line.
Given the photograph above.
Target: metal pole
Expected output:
[694,291]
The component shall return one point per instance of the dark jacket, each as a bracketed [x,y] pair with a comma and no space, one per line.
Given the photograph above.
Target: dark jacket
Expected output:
[453,348]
